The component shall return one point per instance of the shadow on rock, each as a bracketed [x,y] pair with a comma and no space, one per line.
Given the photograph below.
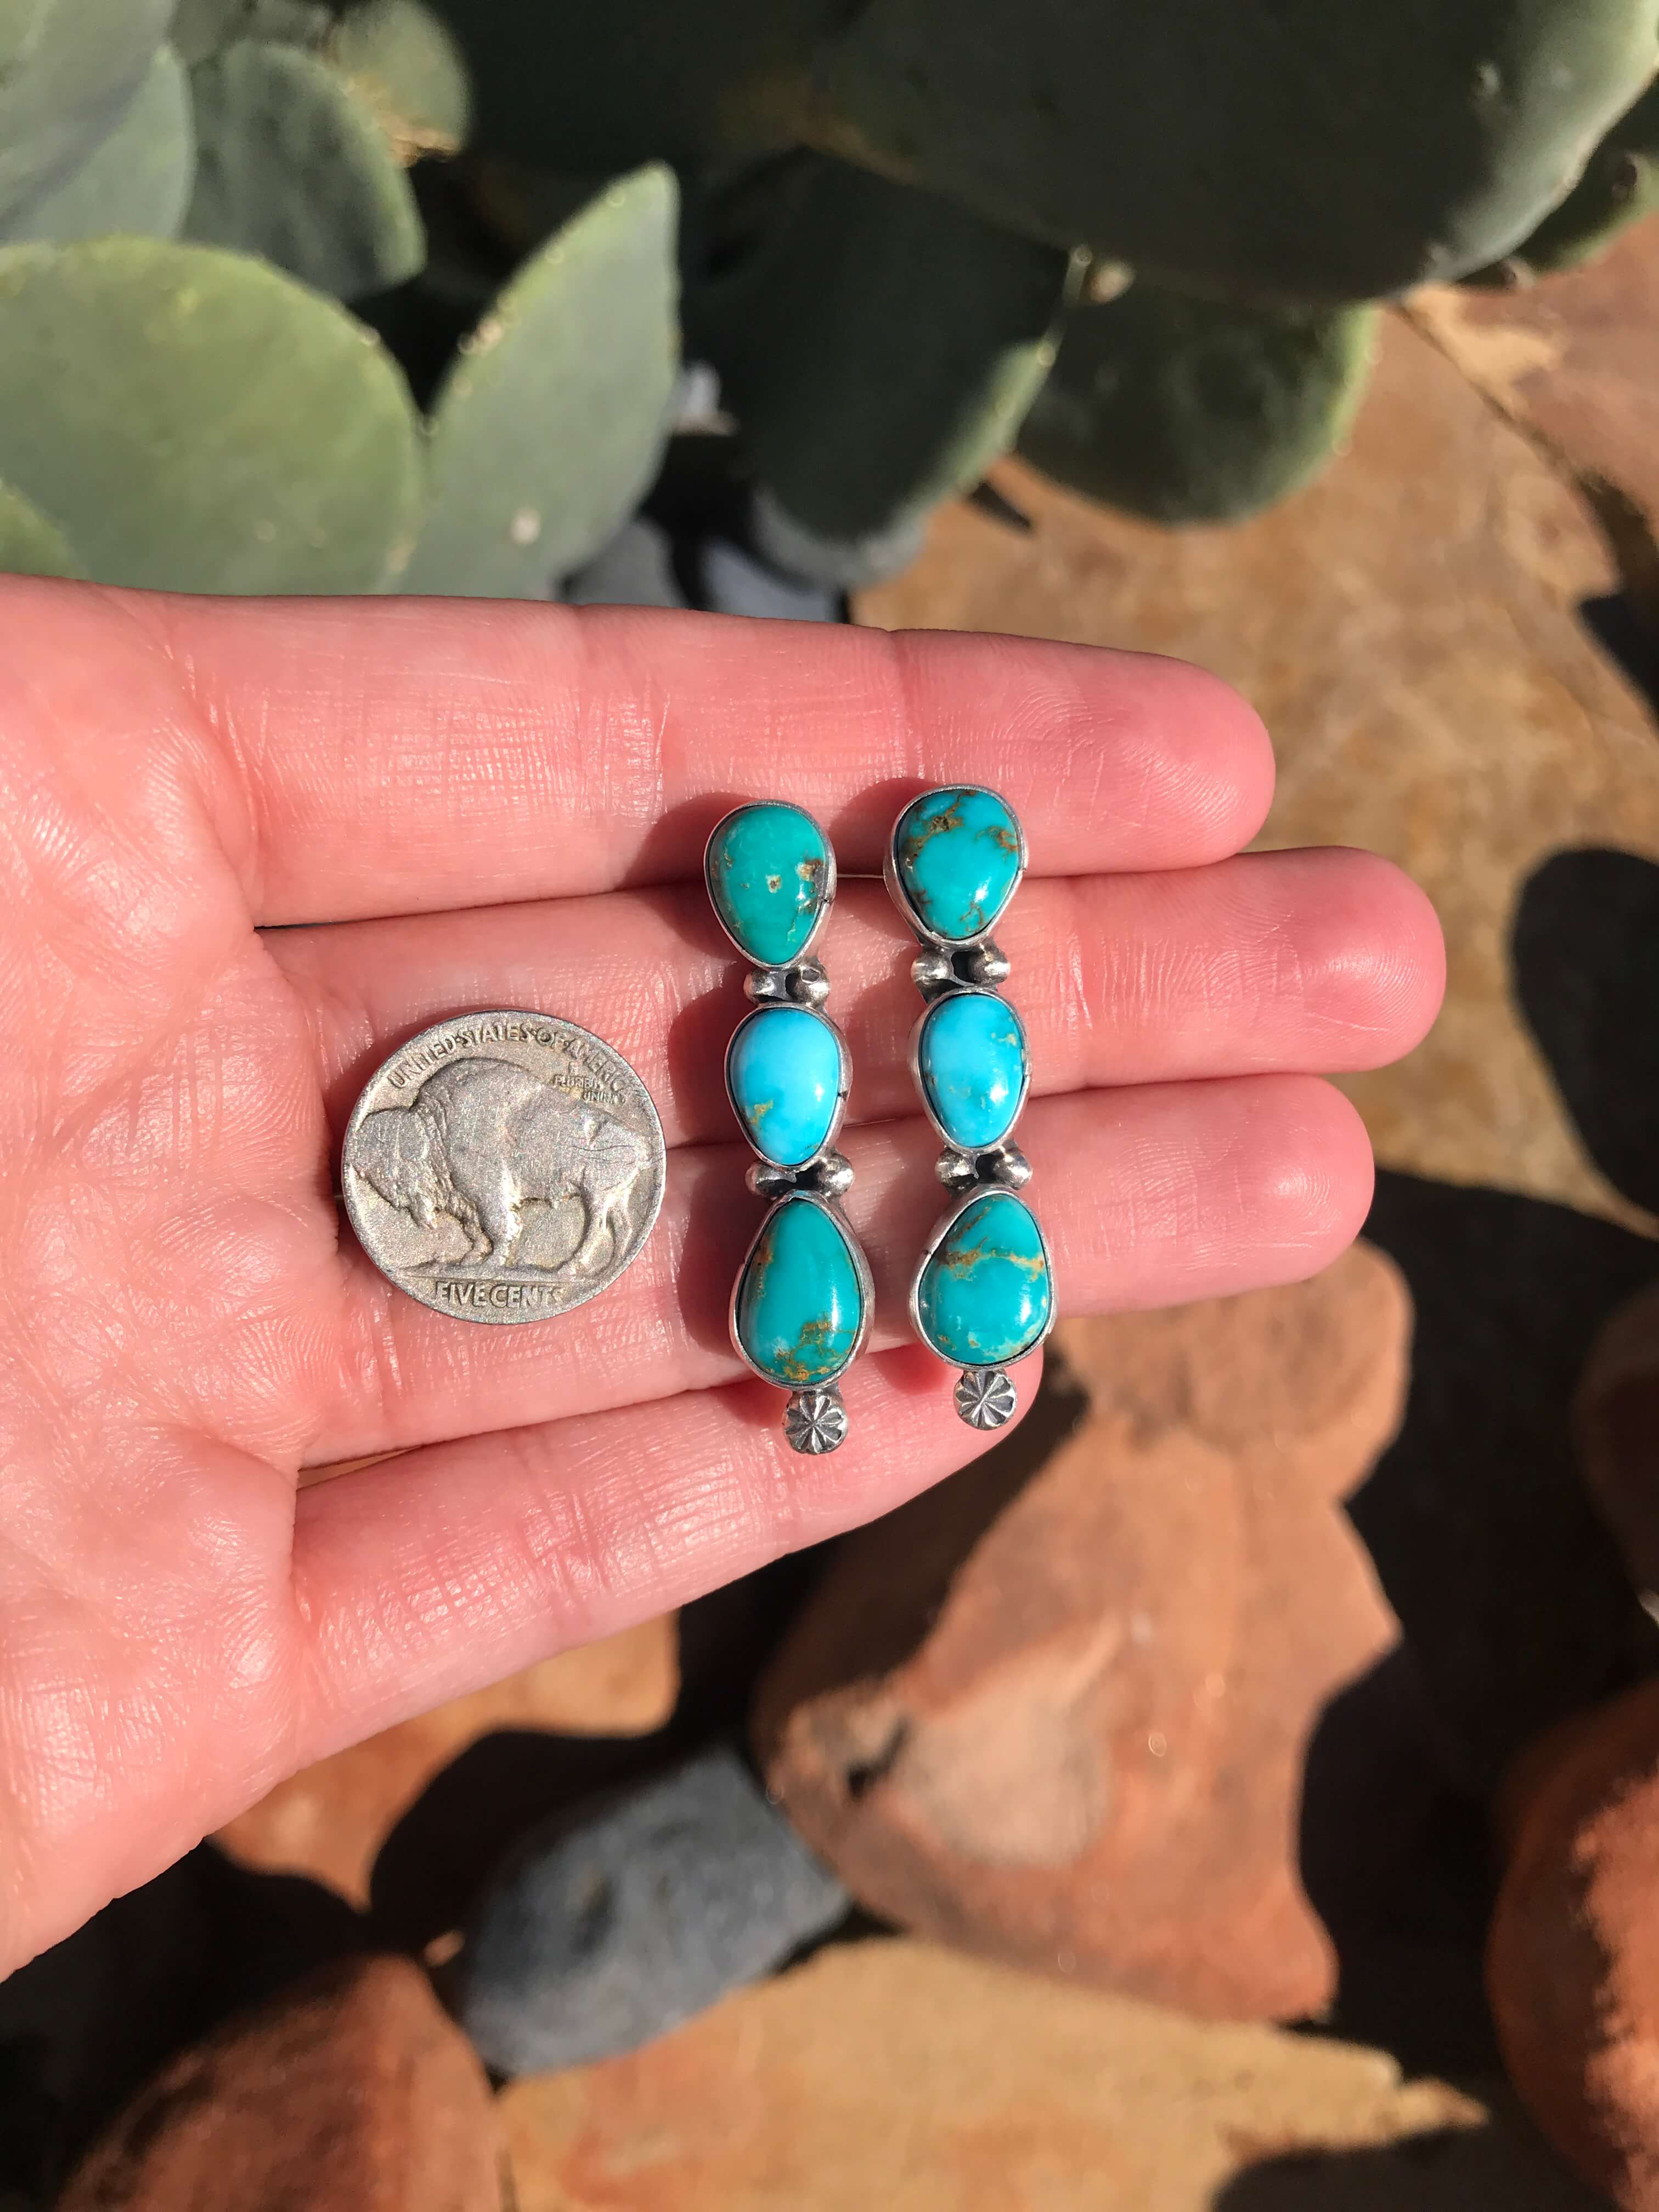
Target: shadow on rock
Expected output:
[85,2023]
[1499,2167]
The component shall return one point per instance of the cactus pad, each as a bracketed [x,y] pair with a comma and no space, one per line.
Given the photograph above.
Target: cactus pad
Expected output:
[551,423]
[403,64]
[1313,148]
[1620,184]
[193,420]
[202,27]
[138,180]
[598,86]
[1193,410]
[30,545]
[291,164]
[877,346]
[70,82]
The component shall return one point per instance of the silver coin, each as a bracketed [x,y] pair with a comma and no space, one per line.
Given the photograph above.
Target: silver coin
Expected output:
[503,1167]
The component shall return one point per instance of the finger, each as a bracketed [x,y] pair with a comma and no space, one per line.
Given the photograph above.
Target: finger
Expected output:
[1149,1196]
[446,1569]
[1319,961]
[399,756]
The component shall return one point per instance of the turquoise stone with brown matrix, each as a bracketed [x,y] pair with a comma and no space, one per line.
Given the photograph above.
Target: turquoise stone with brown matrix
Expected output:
[958,854]
[985,1294]
[800,1302]
[769,875]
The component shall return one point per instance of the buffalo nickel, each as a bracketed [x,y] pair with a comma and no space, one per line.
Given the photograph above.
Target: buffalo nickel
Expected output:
[503,1167]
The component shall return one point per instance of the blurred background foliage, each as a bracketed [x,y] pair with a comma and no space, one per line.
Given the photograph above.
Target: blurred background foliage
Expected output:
[402,295]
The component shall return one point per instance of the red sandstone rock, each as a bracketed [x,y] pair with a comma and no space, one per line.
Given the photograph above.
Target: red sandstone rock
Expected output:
[352,2092]
[1572,1963]
[1055,1711]
[330,1820]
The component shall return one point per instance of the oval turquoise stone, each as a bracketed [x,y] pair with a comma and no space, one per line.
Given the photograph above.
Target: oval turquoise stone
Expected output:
[784,1071]
[985,1295]
[957,853]
[800,1301]
[768,870]
[971,1058]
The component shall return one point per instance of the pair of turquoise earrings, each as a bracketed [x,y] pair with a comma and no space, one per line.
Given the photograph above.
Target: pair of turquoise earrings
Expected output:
[982,1294]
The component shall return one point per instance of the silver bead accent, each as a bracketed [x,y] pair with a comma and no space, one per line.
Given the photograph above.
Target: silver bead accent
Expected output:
[766,986]
[1007,1165]
[933,971]
[955,1169]
[804,984]
[832,1173]
[767,1182]
[986,1397]
[807,983]
[985,964]
[814,1421]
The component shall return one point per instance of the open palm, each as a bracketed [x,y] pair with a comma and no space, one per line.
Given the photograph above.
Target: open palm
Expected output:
[247,848]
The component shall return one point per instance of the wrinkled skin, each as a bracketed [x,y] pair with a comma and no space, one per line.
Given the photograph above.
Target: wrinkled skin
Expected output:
[450,805]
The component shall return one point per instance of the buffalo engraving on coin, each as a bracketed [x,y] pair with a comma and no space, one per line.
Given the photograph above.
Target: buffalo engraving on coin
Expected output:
[516,1179]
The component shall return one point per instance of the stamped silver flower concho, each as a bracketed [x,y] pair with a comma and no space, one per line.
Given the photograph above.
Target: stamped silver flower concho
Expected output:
[504,1166]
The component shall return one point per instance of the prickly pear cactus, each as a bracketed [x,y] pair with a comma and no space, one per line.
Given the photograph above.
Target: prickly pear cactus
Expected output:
[879,346]
[1195,410]
[1315,149]
[30,545]
[1620,184]
[403,64]
[595,86]
[20,27]
[549,428]
[202,27]
[193,420]
[292,164]
[136,180]
[78,65]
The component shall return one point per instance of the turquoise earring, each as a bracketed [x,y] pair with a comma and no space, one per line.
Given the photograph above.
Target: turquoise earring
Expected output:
[800,1307]
[982,1297]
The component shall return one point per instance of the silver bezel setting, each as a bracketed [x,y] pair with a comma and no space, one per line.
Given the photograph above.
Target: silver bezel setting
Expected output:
[861,1268]
[968,991]
[825,903]
[937,1235]
[757,1013]
[895,880]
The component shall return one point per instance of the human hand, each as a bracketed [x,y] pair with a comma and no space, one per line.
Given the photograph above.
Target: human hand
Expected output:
[463,804]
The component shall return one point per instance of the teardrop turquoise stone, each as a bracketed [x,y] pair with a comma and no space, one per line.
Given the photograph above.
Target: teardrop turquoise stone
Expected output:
[985,1295]
[784,1071]
[971,1058]
[957,853]
[800,1301]
[768,871]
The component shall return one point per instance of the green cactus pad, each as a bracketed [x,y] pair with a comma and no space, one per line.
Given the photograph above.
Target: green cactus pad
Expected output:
[879,346]
[403,62]
[194,421]
[21,23]
[1621,185]
[1193,410]
[70,84]
[138,181]
[291,164]
[30,545]
[1315,149]
[202,27]
[551,425]
[598,86]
